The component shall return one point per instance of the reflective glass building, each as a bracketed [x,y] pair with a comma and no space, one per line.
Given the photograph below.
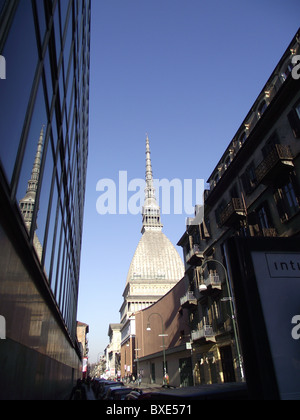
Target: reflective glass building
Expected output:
[44,110]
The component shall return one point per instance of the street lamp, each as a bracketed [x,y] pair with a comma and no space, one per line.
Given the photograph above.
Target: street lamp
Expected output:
[203,287]
[163,335]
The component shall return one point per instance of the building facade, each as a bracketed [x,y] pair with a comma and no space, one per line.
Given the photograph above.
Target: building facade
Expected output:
[82,332]
[254,192]
[163,353]
[155,268]
[113,356]
[44,111]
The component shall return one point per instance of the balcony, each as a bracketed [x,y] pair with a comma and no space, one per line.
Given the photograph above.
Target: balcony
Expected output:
[275,166]
[204,333]
[194,255]
[255,231]
[188,299]
[213,281]
[233,212]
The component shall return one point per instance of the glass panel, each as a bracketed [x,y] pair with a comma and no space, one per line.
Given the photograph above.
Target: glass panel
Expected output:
[48,76]
[57,32]
[54,263]
[1,5]
[61,273]
[41,18]
[20,53]
[59,247]
[31,166]
[45,198]
[50,239]
[64,4]
[298,110]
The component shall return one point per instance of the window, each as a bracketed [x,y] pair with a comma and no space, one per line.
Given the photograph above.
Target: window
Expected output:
[242,138]
[216,178]
[270,144]
[264,217]
[234,192]
[286,201]
[227,162]
[297,109]
[196,237]
[219,210]
[249,179]
[287,70]
[294,120]
[262,107]
[19,54]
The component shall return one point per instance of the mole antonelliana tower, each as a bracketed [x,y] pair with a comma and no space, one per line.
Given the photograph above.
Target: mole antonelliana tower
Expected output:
[156,265]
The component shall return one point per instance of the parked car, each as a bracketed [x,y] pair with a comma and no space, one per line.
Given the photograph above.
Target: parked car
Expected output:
[137,394]
[105,387]
[117,393]
[96,385]
[224,391]
[133,395]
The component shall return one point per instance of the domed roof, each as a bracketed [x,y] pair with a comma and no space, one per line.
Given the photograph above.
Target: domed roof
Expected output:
[155,258]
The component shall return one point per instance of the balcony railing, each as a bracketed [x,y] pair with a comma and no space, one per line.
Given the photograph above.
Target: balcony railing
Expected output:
[188,299]
[213,280]
[234,210]
[278,161]
[205,332]
[194,254]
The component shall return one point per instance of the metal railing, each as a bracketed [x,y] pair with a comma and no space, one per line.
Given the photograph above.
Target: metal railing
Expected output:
[189,296]
[236,205]
[213,280]
[194,251]
[278,153]
[204,332]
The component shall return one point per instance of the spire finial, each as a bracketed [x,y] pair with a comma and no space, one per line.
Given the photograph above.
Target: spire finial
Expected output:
[151,210]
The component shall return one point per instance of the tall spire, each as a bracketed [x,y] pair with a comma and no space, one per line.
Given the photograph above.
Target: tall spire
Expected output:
[151,210]
[27,203]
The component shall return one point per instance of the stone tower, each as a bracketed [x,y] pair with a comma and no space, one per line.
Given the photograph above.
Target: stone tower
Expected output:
[156,265]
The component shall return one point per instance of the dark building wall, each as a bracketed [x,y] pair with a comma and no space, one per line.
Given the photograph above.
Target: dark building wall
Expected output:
[46,47]
[172,319]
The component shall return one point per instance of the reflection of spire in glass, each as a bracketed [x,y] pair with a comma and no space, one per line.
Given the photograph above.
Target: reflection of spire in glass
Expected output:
[151,210]
[27,203]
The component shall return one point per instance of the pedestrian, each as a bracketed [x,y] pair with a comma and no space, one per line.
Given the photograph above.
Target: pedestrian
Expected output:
[78,392]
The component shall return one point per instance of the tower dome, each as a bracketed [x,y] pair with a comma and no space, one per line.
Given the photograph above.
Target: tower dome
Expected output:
[156,258]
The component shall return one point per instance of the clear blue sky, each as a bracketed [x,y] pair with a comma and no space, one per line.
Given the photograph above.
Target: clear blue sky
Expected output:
[186,72]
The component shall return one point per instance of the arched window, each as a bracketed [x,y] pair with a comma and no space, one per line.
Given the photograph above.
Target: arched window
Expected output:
[227,162]
[262,107]
[242,138]
[216,178]
[286,71]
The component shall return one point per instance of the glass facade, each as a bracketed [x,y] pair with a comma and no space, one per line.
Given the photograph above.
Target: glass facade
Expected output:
[44,114]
